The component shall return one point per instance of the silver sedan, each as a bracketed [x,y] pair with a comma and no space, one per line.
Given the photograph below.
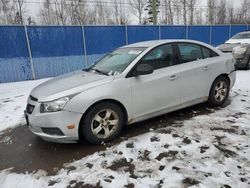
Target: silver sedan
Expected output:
[133,83]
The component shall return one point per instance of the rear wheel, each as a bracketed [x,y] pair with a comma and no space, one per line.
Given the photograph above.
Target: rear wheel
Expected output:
[219,91]
[102,123]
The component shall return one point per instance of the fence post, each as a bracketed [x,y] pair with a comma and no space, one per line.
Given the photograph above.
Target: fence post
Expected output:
[187,32]
[30,53]
[126,34]
[159,31]
[84,48]
[230,31]
[210,34]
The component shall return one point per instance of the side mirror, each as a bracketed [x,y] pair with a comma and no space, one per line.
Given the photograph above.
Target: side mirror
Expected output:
[143,69]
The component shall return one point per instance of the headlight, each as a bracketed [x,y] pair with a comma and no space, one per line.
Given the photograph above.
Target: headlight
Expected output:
[239,50]
[54,106]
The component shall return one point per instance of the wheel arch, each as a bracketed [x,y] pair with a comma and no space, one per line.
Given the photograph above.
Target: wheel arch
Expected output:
[124,110]
[225,75]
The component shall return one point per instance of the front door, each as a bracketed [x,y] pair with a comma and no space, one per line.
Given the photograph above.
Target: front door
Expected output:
[160,90]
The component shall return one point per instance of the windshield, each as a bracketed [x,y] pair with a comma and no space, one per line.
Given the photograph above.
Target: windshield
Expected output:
[117,61]
[242,36]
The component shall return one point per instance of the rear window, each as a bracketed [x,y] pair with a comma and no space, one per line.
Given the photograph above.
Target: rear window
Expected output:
[207,53]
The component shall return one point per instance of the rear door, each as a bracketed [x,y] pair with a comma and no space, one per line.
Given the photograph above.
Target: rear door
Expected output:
[195,72]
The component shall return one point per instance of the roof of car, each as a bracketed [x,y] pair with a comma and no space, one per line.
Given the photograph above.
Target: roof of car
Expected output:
[151,43]
[244,32]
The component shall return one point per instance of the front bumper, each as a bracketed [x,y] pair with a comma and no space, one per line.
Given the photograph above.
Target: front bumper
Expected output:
[39,122]
[242,62]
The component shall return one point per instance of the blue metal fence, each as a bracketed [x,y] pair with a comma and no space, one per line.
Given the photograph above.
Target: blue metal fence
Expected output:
[35,52]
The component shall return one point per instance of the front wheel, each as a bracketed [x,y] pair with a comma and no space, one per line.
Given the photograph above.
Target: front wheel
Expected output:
[102,123]
[219,92]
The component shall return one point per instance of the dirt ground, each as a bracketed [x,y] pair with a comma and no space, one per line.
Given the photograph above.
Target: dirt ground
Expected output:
[26,152]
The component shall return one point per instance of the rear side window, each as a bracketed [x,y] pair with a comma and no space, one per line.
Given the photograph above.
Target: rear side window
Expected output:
[207,53]
[189,52]
[193,52]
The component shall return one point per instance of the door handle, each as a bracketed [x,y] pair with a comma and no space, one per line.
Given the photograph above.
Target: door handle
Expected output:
[206,68]
[173,77]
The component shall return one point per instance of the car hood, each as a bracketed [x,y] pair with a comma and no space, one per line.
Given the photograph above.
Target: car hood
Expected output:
[68,84]
[238,41]
[228,47]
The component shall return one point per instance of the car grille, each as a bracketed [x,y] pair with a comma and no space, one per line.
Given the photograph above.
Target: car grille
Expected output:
[30,108]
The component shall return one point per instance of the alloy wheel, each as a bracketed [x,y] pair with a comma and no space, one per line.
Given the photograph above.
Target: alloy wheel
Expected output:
[104,123]
[220,91]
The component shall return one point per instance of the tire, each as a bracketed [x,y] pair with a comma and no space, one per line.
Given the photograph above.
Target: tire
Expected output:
[102,123]
[219,92]
[247,65]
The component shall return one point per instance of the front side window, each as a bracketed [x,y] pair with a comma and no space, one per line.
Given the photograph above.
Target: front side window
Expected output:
[189,52]
[160,57]
[117,61]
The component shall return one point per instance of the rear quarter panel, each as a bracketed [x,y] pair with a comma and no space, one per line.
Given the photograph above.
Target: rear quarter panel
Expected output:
[223,64]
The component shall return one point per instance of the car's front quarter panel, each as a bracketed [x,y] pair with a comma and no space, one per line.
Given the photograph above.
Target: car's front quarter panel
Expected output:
[61,120]
[118,90]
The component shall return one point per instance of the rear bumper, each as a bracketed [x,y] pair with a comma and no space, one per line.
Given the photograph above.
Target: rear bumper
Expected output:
[232,77]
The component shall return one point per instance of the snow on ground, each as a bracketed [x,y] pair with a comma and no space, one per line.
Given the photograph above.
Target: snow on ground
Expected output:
[211,150]
[13,98]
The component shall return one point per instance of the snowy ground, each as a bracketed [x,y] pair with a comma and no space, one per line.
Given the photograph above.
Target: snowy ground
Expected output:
[210,150]
[13,98]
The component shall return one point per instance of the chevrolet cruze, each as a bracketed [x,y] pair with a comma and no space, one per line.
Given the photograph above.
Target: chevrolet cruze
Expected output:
[131,84]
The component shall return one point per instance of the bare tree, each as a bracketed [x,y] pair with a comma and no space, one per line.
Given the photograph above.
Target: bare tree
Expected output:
[47,14]
[199,16]
[77,12]
[183,4]
[191,6]
[116,11]
[99,12]
[168,11]
[20,10]
[177,10]
[221,12]
[138,8]
[60,11]
[244,10]
[120,12]
[6,11]
[211,4]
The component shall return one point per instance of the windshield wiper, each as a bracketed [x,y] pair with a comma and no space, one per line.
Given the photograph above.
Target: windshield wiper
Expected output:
[99,71]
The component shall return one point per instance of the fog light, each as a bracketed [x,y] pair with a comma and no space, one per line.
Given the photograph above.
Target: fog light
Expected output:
[53,131]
